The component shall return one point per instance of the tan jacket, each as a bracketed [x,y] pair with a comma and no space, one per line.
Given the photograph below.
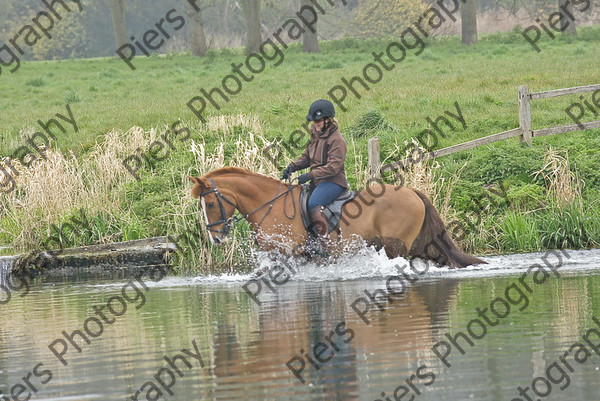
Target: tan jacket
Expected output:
[325,154]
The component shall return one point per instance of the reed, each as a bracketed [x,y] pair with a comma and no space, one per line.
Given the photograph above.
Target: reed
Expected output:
[196,252]
[425,177]
[563,184]
[55,186]
[519,233]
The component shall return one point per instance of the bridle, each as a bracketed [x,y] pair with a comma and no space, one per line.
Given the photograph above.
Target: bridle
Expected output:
[228,223]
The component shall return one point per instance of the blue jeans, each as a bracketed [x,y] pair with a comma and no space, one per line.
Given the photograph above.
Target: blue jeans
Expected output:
[324,194]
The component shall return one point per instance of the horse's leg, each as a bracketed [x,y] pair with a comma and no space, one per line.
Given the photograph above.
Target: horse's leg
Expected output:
[393,247]
[276,258]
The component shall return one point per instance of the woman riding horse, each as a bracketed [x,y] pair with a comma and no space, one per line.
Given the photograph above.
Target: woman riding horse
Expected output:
[400,220]
[325,154]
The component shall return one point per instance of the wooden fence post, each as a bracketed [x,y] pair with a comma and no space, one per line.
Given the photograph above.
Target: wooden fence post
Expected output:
[525,114]
[374,158]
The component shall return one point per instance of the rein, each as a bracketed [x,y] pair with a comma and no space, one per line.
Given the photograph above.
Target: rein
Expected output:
[228,223]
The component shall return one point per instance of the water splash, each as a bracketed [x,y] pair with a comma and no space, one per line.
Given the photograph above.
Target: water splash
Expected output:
[6,264]
[368,264]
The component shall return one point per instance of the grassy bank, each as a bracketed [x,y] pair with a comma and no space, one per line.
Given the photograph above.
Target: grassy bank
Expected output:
[552,189]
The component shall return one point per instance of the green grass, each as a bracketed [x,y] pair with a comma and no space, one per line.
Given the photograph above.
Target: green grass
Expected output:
[105,94]
[482,78]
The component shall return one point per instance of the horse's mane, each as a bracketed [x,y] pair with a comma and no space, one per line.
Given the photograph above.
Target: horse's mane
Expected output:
[236,170]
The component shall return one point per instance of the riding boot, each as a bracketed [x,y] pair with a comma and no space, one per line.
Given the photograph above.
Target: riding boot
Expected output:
[320,224]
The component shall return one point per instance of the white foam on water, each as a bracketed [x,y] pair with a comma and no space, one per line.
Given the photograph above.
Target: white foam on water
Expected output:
[564,262]
[369,264]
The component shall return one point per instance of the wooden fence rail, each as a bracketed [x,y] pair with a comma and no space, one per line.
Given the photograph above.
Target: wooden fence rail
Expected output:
[524,131]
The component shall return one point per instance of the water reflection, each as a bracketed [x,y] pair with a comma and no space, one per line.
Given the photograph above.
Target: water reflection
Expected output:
[245,347]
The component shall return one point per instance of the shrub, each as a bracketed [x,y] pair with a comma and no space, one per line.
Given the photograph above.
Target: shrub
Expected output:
[36,82]
[526,197]
[369,123]
[387,18]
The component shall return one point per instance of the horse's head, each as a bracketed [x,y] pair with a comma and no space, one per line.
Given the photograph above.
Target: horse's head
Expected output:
[217,207]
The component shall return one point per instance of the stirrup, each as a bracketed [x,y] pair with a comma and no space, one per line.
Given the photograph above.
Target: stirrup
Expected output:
[316,248]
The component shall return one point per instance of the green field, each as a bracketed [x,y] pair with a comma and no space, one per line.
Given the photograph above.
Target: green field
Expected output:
[104,95]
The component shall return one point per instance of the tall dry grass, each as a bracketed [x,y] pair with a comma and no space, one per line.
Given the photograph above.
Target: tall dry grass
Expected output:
[56,185]
[52,188]
[247,151]
[563,184]
[361,170]
[424,177]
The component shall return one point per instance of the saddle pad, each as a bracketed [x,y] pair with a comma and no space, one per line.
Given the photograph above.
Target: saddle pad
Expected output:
[332,212]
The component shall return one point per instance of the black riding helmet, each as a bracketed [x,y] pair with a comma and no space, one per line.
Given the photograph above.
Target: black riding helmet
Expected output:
[320,109]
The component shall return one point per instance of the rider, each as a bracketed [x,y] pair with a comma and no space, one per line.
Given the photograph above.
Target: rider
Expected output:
[325,155]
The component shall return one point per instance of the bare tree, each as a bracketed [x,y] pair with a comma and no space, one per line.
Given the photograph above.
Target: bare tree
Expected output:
[310,40]
[571,25]
[468,16]
[225,23]
[117,10]
[196,32]
[251,10]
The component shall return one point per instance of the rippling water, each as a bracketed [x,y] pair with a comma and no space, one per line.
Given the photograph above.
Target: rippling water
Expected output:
[244,347]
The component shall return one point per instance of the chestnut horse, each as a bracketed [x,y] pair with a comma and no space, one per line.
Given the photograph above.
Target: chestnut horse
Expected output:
[400,220]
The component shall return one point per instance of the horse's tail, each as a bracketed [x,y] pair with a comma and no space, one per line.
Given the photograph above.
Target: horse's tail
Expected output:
[434,243]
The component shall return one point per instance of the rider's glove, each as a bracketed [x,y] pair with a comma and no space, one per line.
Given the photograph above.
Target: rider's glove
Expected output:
[303,178]
[287,172]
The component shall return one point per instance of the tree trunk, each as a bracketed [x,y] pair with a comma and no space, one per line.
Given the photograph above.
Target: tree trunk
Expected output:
[226,20]
[196,31]
[310,40]
[468,16]
[571,29]
[252,16]
[117,10]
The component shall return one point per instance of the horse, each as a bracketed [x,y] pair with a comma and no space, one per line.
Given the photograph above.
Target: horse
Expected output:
[400,220]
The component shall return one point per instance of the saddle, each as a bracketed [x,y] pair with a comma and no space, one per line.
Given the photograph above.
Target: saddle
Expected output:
[332,212]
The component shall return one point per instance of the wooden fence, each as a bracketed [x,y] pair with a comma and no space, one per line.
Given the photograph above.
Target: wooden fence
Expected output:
[524,131]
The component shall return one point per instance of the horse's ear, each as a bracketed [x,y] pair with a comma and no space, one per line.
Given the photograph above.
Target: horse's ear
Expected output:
[200,185]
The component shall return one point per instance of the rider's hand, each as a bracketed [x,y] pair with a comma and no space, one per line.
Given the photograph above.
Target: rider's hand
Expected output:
[287,173]
[303,178]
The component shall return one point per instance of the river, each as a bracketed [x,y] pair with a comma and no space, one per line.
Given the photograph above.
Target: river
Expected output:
[205,338]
